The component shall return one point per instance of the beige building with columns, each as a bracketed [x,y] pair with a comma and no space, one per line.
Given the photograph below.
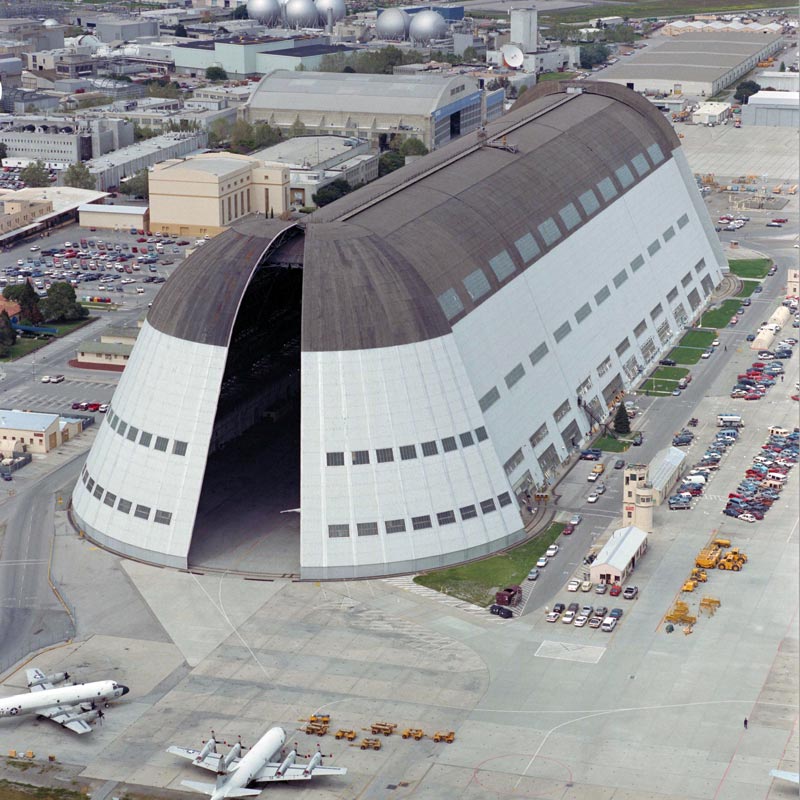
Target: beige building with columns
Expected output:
[201,195]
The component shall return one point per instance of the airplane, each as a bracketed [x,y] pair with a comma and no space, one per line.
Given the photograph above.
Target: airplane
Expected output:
[72,705]
[235,772]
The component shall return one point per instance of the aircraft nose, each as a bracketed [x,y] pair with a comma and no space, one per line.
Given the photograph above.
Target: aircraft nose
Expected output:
[125,689]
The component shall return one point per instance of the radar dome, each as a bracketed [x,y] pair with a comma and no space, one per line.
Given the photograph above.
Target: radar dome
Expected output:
[337,7]
[427,25]
[301,14]
[393,24]
[51,23]
[264,11]
[87,40]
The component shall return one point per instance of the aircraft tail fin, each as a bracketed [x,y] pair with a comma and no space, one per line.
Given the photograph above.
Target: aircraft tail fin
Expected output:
[197,786]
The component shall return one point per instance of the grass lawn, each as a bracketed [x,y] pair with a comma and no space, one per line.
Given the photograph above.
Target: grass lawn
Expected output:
[645,9]
[658,387]
[67,327]
[748,287]
[699,338]
[610,445]
[477,582]
[24,346]
[750,267]
[555,76]
[671,373]
[719,317]
[105,306]
[686,355]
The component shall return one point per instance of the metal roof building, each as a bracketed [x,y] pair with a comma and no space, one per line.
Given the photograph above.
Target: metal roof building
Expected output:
[617,559]
[433,108]
[698,64]
[447,333]
[775,109]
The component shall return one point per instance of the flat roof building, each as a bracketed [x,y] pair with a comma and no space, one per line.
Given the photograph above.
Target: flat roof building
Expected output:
[28,432]
[698,64]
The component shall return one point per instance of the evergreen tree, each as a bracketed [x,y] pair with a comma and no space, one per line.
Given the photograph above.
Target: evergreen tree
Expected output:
[7,333]
[621,422]
[61,305]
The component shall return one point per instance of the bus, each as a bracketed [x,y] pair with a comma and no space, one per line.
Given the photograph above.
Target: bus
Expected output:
[729,421]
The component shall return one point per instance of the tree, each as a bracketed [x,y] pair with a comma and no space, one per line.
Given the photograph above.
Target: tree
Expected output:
[242,137]
[265,136]
[621,422]
[389,162]
[25,296]
[7,333]
[745,90]
[167,90]
[413,147]
[142,132]
[331,191]
[219,131]
[592,54]
[297,128]
[782,67]
[240,12]
[3,152]
[35,174]
[78,176]
[61,305]
[180,30]
[216,74]
[138,185]
[470,54]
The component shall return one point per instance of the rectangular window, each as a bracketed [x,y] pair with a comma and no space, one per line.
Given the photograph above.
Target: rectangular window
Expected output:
[582,313]
[367,528]
[623,346]
[538,354]
[673,294]
[607,189]
[489,399]
[700,266]
[163,517]
[468,512]
[480,434]
[408,452]
[589,202]
[90,485]
[338,531]
[561,411]
[656,312]
[333,459]
[179,448]
[686,279]
[549,231]
[513,462]
[620,278]
[487,506]
[384,455]
[450,303]
[395,526]
[122,427]
[502,265]
[449,444]
[112,421]
[570,216]
[466,439]
[668,233]
[446,517]
[161,444]
[421,523]
[562,331]
[624,176]
[145,439]
[640,329]
[683,220]
[476,284]
[539,436]
[584,386]
[640,164]
[98,491]
[429,449]
[124,506]
[515,376]
[360,457]
[527,247]
[142,512]
[654,151]
[653,247]
[637,263]
[604,366]
[602,295]
[504,499]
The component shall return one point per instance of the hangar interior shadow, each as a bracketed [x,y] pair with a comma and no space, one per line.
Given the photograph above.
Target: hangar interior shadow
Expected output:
[253,469]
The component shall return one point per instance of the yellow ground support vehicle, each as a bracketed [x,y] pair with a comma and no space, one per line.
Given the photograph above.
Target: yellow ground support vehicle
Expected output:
[386,728]
[345,734]
[444,736]
[699,575]
[708,558]
[413,733]
[316,728]
[689,586]
[370,744]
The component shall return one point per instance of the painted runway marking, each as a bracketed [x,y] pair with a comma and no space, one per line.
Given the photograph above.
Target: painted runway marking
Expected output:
[585,653]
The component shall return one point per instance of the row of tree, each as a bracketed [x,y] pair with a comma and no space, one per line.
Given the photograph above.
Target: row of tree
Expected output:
[60,305]
[383,61]
[75,175]
[243,137]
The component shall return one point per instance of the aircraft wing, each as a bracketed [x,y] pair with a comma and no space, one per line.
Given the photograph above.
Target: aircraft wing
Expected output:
[66,717]
[37,675]
[210,762]
[296,772]
[792,777]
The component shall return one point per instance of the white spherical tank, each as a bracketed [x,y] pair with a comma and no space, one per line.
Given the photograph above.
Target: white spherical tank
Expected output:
[337,8]
[427,25]
[51,23]
[264,11]
[301,14]
[393,24]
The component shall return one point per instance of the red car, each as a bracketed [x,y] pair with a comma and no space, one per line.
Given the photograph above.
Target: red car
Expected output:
[616,590]
[734,321]
[758,365]
[780,220]
[141,239]
[568,530]
[93,407]
[796,397]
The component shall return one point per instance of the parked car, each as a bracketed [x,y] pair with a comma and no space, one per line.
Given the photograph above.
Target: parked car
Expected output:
[568,530]
[533,574]
[601,588]
[616,613]
[619,464]
[552,616]
[608,625]
[616,590]
[568,618]
[586,586]
[637,439]
[552,550]
[630,592]
[592,498]
[573,586]
[542,562]
[501,611]
[575,519]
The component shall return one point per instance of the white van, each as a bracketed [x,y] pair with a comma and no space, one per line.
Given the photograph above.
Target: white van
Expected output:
[729,421]
[777,477]
[701,479]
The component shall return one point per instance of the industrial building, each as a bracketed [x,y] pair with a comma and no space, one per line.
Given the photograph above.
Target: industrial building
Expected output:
[34,432]
[113,217]
[774,109]
[378,108]
[697,64]
[617,559]
[444,337]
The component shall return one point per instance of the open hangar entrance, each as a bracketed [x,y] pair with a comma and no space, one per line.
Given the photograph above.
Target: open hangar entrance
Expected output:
[246,518]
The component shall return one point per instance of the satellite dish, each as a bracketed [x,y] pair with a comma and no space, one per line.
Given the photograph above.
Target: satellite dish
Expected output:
[512,56]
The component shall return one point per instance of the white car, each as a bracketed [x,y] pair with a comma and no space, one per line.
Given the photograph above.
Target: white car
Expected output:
[552,550]
[746,517]
[705,354]
[573,586]
[56,379]
[592,498]
[103,408]
[580,620]
[586,586]
[568,618]
[553,616]
[542,562]
[45,379]
[600,488]
[715,343]
[609,623]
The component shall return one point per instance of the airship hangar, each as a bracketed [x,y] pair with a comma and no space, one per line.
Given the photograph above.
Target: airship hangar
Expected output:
[398,369]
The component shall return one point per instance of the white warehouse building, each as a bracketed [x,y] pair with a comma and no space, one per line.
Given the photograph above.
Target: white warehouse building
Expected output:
[446,334]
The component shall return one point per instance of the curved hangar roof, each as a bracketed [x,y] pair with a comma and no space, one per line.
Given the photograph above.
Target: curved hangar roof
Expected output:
[406,257]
